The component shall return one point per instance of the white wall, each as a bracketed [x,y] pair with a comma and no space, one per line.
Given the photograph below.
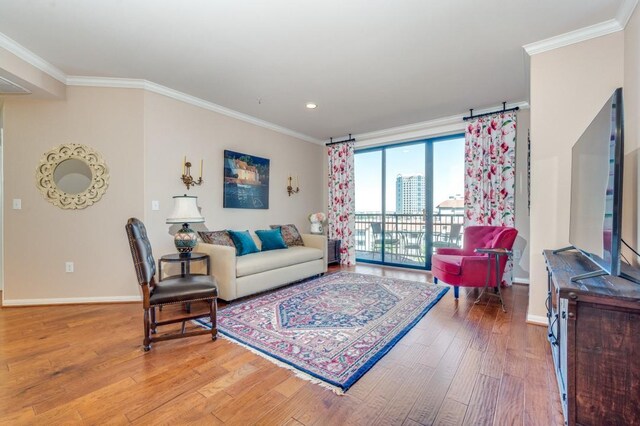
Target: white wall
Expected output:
[521,265]
[1,197]
[174,129]
[40,238]
[630,229]
[568,87]
[143,138]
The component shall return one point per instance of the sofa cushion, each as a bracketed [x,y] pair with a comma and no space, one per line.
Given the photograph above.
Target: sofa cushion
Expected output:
[271,239]
[290,234]
[267,260]
[447,263]
[220,238]
[244,242]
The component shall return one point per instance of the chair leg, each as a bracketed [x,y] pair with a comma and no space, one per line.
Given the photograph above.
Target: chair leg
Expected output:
[456,292]
[146,344]
[435,280]
[213,312]
[153,320]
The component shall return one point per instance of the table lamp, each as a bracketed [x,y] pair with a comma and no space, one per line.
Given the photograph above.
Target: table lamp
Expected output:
[185,211]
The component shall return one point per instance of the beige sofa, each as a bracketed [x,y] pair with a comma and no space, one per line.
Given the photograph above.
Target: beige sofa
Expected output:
[240,276]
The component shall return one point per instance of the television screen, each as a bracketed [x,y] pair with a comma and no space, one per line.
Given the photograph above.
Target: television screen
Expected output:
[596,187]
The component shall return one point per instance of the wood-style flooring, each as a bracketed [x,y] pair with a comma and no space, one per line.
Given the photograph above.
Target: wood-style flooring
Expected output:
[461,364]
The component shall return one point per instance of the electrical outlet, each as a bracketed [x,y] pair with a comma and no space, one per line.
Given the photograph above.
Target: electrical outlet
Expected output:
[517,254]
[155,205]
[17,204]
[68,266]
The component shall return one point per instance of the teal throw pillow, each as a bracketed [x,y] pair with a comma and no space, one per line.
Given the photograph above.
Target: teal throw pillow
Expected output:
[271,239]
[244,243]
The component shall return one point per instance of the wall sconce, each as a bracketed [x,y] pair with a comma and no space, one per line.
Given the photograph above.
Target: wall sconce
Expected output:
[186,174]
[290,182]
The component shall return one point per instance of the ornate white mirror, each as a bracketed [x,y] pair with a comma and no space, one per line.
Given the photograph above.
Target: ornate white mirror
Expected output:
[72,176]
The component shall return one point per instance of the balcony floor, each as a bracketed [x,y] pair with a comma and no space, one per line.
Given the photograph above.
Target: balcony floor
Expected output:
[395,258]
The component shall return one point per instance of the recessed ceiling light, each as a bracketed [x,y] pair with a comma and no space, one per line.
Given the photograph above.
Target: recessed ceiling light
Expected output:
[311,105]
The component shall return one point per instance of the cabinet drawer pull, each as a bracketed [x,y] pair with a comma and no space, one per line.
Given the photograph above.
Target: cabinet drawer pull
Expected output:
[573,296]
[571,315]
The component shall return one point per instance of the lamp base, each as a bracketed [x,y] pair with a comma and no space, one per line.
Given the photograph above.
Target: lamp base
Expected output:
[185,240]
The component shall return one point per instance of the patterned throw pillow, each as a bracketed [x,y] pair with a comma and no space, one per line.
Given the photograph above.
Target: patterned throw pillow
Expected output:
[290,234]
[219,238]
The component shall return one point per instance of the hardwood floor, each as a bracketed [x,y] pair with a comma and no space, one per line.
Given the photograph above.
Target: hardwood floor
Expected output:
[461,364]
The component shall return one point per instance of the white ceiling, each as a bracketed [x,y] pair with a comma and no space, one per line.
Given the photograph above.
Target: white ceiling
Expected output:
[368,64]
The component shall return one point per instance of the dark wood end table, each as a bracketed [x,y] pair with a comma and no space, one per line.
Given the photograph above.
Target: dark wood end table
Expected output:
[185,266]
[333,251]
[185,262]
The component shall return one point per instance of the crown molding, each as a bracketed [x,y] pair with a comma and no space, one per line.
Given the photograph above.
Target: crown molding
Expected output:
[31,58]
[430,128]
[128,83]
[566,39]
[116,83]
[625,11]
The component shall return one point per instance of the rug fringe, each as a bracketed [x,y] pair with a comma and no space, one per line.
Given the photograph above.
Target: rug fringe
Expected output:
[298,373]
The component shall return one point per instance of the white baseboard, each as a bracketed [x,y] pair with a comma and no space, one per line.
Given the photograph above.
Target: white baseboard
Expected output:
[518,280]
[537,320]
[70,300]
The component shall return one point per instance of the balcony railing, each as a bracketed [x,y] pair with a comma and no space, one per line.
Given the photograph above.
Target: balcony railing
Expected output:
[404,236]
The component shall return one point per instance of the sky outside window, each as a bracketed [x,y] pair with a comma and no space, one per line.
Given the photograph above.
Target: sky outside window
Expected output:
[448,173]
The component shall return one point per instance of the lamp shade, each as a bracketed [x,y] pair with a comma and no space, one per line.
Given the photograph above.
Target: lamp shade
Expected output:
[185,210]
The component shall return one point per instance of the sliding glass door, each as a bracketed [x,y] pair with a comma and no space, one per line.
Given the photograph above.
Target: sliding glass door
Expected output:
[408,197]
[368,177]
[405,205]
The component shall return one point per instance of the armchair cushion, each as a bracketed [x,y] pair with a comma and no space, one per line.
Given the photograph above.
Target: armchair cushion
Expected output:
[183,289]
[447,263]
[450,251]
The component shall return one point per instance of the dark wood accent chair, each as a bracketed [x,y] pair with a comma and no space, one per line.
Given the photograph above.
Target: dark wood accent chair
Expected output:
[171,290]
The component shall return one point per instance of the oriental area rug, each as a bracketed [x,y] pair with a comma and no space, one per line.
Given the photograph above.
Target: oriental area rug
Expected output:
[330,330]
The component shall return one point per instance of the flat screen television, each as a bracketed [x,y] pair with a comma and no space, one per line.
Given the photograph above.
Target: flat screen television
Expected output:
[596,190]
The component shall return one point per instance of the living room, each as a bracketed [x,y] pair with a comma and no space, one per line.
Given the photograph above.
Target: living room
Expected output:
[146,128]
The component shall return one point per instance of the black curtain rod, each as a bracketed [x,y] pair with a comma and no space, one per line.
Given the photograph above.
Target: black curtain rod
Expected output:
[337,142]
[504,109]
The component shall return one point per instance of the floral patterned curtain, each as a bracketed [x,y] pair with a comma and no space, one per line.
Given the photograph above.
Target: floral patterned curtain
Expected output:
[490,160]
[341,200]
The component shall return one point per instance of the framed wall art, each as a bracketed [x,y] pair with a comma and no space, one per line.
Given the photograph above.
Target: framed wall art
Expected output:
[246,181]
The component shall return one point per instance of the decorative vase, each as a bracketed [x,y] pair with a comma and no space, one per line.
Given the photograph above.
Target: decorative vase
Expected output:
[185,240]
[316,228]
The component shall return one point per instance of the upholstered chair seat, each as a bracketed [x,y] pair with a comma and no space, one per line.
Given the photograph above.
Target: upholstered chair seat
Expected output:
[182,290]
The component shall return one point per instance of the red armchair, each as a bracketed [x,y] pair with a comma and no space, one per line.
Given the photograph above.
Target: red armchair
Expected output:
[464,267]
